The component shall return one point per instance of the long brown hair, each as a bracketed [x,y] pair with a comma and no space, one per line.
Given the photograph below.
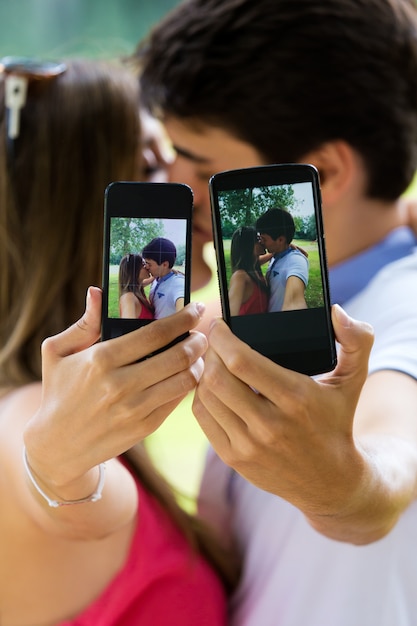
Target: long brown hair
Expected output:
[129,269]
[244,257]
[78,132]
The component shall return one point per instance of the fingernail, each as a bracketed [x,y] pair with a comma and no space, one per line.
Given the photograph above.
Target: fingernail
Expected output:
[201,308]
[342,317]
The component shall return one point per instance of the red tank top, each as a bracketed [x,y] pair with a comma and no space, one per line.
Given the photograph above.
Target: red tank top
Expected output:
[145,314]
[162,582]
[256,303]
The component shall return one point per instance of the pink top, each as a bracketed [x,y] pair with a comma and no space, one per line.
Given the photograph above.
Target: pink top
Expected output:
[145,314]
[162,582]
[256,303]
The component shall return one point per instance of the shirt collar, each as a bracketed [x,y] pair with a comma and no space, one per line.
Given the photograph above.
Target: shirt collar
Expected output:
[277,256]
[162,279]
[349,278]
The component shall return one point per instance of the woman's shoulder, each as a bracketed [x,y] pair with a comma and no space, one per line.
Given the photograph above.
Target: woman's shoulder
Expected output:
[128,296]
[18,405]
[240,275]
[130,299]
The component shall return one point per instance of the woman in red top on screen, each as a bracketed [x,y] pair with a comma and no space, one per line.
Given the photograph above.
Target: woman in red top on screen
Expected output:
[133,277]
[248,290]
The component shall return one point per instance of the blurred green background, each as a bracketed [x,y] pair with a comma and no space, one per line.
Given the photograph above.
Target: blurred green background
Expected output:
[97,28]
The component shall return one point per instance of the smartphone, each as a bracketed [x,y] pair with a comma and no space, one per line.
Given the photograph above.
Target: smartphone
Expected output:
[147,254]
[271,260]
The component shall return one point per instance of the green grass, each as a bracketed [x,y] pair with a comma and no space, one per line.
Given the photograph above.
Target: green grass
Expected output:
[114,291]
[314,291]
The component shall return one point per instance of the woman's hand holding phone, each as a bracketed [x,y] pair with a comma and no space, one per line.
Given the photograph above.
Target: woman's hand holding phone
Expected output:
[98,401]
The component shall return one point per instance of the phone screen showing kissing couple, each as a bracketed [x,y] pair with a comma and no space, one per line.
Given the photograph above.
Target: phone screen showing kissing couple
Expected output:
[271,261]
[147,254]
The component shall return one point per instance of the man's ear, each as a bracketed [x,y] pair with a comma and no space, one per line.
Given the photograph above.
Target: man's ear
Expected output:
[337,164]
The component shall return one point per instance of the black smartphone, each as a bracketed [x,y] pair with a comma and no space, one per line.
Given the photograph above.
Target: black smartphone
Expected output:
[273,280]
[147,254]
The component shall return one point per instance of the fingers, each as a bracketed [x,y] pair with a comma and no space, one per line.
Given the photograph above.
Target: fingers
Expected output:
[355,338]
[222,402]
[225,401]
[104,410]
[238,360]
[214,429]
[281,437]
[126,349]
[102,398]
[139,413]
[181,357]
[166,390]
[84,333]
[252,368]
[144,341]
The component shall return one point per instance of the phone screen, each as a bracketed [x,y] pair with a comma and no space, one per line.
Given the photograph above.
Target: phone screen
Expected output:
[146,269]
[271,263]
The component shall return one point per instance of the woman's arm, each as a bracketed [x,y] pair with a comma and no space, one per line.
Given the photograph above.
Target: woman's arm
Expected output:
[130,306]
[294,297]
[264,258]
[237,288]
[97,401]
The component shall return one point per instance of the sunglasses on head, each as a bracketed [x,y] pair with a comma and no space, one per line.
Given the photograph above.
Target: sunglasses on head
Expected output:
[18,72]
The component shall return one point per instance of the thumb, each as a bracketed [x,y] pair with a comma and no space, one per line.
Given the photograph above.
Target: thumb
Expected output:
[355,339]
[81,335]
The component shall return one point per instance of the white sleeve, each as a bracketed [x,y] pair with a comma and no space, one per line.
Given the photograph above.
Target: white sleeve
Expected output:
[389,303]
[213,499]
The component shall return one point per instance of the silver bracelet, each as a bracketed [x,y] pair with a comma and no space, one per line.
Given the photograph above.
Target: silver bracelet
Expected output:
[57,503]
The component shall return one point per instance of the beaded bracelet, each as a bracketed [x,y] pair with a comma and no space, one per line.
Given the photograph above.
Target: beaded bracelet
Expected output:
[57,503]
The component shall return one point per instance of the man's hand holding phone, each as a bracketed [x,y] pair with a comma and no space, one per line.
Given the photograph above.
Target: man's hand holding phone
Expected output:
[294,436]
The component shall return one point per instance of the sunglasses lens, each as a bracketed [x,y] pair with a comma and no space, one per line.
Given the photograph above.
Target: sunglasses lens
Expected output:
[36,68]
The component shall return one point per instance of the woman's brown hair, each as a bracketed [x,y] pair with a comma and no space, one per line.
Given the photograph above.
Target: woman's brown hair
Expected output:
[129,269]
[78,132]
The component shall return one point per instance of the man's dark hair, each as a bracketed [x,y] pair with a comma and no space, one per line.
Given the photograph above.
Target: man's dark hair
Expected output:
[288,76]
[276,223]
[159,250]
